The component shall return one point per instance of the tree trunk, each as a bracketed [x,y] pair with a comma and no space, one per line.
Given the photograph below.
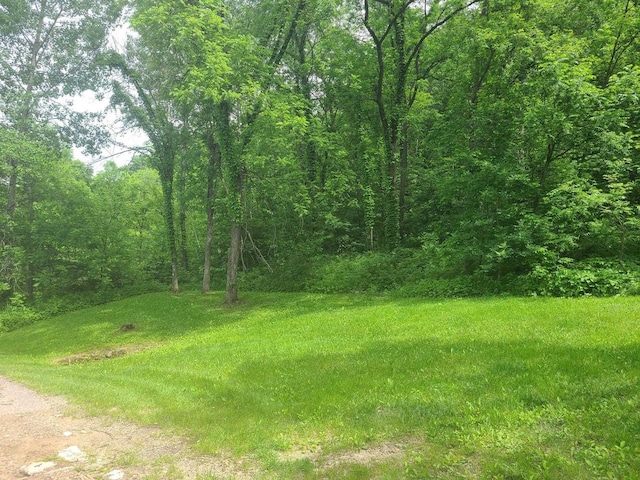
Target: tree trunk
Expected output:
[235,167]
[206,277]
[214,164]
[184,257]
[232,264]
[13,182]
[167,191]
[404,176]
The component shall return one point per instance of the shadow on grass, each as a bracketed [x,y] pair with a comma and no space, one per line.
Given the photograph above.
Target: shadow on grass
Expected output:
[509,400]
[496,396]
[402,376]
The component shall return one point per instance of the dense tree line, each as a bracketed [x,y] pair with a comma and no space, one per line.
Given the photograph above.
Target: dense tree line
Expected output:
[434,148]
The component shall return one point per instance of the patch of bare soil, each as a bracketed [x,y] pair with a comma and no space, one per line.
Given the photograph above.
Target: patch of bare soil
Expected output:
[36,428]
[97,355]
[371,455]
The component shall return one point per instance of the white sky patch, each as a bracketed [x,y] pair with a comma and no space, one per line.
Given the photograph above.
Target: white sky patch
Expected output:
[125,141]
[119,36]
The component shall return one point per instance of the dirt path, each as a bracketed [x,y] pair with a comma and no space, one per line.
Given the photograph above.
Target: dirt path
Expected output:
[35,428]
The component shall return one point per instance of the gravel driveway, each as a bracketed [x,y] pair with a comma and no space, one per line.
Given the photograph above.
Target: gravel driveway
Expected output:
[35,429]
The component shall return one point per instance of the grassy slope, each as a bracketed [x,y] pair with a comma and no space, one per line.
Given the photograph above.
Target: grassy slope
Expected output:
[492,388]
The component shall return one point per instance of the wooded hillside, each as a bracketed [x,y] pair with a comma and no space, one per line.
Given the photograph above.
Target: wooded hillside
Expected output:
[427,148]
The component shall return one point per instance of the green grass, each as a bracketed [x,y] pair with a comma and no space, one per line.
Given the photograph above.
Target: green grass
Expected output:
[489,388]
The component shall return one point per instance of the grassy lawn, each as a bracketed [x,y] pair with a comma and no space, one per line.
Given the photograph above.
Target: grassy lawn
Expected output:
[312,386]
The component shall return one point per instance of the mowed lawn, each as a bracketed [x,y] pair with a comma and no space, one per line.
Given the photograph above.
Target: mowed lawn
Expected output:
[323,386]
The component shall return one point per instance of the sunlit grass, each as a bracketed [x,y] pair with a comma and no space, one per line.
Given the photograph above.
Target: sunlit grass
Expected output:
[490,388]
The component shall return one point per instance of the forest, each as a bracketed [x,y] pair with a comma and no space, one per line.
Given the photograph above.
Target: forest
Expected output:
[413,147]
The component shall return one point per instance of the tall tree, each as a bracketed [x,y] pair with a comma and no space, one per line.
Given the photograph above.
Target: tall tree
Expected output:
[48,50]
[234,96]
[148,100]
[199,63]
[399,30]
[153,118]
[213,169]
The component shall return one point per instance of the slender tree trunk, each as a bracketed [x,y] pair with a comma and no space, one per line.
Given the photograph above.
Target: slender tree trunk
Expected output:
[29,249]
[397,138]
[167,190]
[26,107]
[404,175]
[618,49]
[184,257]
[23,125]
[206,277]
[213,167]
[234,162]
[13,181]
[393,109]
[390,119]
[232,264]
[485,8]
[235,167]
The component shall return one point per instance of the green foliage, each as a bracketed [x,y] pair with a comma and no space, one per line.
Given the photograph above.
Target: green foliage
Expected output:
[484,149]
[17,315]
[286,273]
[593,277]
[372,272]
[42,46]
[405,273]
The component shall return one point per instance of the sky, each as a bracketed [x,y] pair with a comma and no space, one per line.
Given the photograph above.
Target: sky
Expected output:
[124,140]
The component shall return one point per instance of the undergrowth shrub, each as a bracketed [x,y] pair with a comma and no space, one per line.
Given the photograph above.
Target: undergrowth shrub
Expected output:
[16,314]
[415,273]
[76,301]
[12,319]
[282,275]
[594,277]
[366,272]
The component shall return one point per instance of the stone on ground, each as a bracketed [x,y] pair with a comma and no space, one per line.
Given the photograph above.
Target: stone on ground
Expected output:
[115,475]
[73,454]
[36,468]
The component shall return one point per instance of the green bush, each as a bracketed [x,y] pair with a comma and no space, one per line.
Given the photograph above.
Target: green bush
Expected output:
[406,273]
[367,272]
[282,275]
[76,301]
[16,314]
[596,277]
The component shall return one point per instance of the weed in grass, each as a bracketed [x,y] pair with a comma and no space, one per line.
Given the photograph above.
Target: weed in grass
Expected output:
[127,459]
[164,468]
[296,468]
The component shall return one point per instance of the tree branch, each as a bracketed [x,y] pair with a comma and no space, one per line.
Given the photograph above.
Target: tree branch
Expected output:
[434,27]
[276,56]
[380,79]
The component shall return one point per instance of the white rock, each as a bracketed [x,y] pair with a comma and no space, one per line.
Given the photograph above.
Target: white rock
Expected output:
[73,454]
[67,434]
[115,475]
[36,468]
